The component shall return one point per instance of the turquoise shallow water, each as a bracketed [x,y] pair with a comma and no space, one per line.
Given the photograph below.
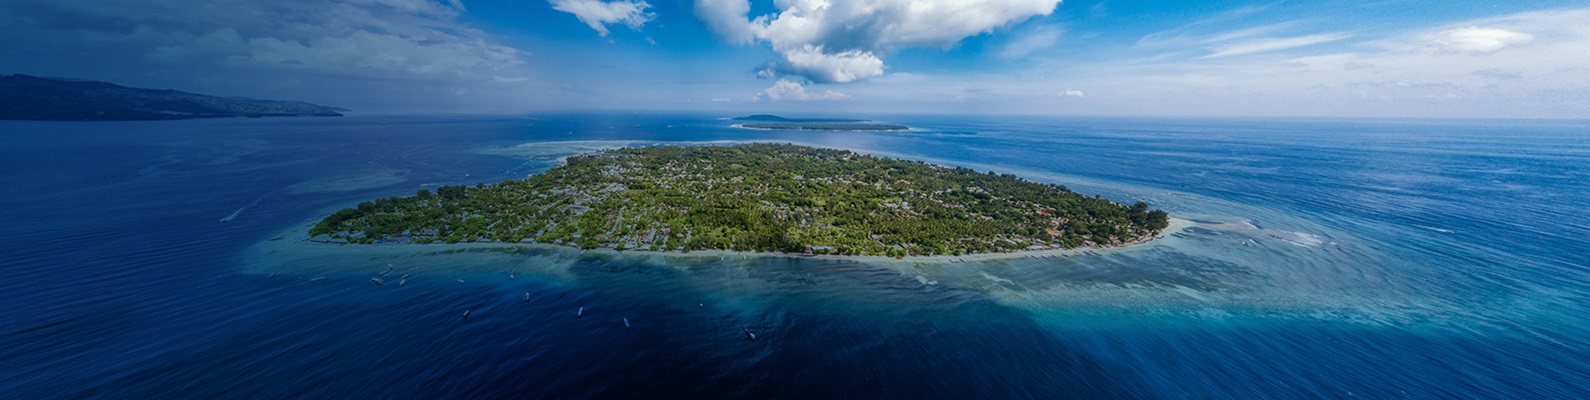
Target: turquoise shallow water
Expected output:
[1326,258]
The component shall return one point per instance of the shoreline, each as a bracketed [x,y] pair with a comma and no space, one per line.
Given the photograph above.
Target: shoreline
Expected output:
[651,189]
[296,241]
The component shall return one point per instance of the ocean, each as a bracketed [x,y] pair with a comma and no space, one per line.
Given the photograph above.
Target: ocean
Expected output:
[1326,258]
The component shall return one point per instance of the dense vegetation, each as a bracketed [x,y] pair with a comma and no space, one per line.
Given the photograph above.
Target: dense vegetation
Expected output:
[775,118]
[757,197]
[791,126]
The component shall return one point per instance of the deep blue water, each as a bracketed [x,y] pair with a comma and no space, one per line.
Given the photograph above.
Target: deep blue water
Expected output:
[1331,259]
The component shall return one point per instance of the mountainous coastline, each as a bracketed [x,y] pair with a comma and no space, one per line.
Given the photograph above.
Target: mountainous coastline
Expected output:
[24,97]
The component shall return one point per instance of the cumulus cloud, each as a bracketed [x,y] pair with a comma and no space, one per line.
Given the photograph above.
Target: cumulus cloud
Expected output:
[841,40]
[1479,40]
[727,19]
[812,62]
[1393,73]
[599,14]
[784,90]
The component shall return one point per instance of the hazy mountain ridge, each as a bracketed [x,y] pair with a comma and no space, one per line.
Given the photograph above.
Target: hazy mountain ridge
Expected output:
[24,97]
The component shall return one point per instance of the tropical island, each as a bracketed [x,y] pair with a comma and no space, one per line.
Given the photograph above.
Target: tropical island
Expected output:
[753,197]
[774,122]
[24,97]
[775,118]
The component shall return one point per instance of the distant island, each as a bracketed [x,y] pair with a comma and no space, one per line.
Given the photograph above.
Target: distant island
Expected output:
[774,122]
[24,97]
[775,118]
[753,197]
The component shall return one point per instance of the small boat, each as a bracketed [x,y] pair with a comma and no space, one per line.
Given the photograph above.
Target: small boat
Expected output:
[526,297]
[460,281]
[466,314]
[403,281]
[626,323]
[748,334]
[376,281]
[580,313]
[273,275]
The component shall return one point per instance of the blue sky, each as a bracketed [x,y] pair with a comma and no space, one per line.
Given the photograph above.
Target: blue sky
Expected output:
[1520,59]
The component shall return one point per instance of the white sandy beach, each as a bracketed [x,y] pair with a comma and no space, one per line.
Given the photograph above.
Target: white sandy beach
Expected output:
[294,246]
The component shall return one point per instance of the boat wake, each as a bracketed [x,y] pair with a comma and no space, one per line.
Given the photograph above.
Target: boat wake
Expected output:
[1436,229]
[239,211]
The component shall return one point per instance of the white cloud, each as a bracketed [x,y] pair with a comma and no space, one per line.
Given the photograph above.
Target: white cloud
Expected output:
[784,90]
[883,24]
[1403,73]
[727,19]
[1275,44]
[1479,40]
[1213,37]
[599,14]
[1034,39]
[1517,65]
[424,7]
[849,66]
[854,32]
[1193,33]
